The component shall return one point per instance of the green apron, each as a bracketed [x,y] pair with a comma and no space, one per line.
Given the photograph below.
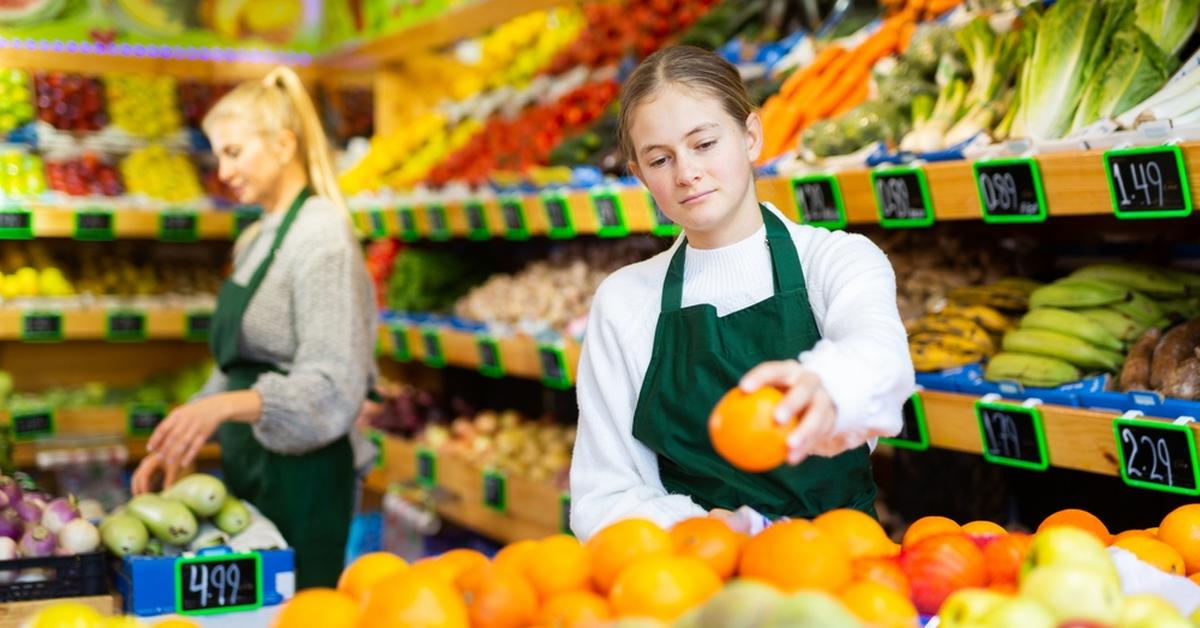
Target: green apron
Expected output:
[698,356]
[309,497]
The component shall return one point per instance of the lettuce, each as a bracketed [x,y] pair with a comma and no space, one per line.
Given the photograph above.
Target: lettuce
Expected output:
[1168,22]
[1134,69]
[1055,75]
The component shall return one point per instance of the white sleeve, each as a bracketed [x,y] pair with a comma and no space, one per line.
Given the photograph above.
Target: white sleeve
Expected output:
[862,357]
[613,476]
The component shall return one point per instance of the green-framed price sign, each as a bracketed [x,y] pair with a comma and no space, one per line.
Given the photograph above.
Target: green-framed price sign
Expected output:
[512,210]
[197,325]
[1157,455]
[33,423]
[431,341]
[94,224]
[427,467]
[439,225]
[42,326]
[495,491]
[554,367]
[1010,190]
[377,439]
[564,513]
[218,583]
[914,434]
[125,325]
[1148,182]
[902,197]
[819,200]
[491,364]
[142,418]
[401,352]
[661,224]
[477,221]
[16,223]
[610,213]
[1012,435]
[376,223]
[177,225]
[558,215]
[408,224]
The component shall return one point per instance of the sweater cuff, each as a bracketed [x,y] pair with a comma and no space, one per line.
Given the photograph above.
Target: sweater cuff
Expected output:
[273,410]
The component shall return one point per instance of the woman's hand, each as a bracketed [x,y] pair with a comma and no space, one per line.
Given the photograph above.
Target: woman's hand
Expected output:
[145,477]
[187,428]
[804,396]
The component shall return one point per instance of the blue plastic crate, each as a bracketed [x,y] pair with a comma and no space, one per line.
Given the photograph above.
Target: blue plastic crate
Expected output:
[366,535]
[147,583]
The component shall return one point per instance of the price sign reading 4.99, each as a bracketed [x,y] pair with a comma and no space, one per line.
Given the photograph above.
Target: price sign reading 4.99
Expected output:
[902,197]
[223,583]
[1012,435]
[1148,182]
[1157,455]
[820,201]
[914,435]
[1010,190]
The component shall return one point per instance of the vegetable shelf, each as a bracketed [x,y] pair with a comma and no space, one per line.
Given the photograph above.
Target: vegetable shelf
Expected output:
[37,324]
[121,223]
[519,356]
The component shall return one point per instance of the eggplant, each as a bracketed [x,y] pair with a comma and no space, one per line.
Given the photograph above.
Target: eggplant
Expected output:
[123,534]
[200,492]
[234,517]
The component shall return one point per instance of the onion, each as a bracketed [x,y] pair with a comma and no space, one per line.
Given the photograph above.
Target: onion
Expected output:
[58,513]
[8,551]
[30,509]
[11,525]
[91,510]
[37,542]
[10,489]
[78,537]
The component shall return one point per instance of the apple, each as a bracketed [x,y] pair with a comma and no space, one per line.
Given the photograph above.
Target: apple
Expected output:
[1069,546]
[741,604]
[1071,592]
[809,609]
[1017,611]
[1150,611]
[965,607]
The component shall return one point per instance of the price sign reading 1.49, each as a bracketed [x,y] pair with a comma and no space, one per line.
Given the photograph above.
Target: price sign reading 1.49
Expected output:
[1157,455]
[902,197]
[1012,435]
[1010,190]
[1148,182]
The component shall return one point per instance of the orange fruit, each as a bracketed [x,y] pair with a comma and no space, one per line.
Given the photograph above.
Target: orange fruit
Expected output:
[1004,557]
[413,600]
[1081,519]
[434,566]
[795,555]
[858,532]
[514,556]
[882,571]
[318,608]
[618,545]
[1153,531]
[1155,552]
[363,573]
[1195,577]
[558,564]
[1134,533]
[1181,530]
[574,609]
[926,527]
[710,540]
[663,587]
[879,606]
[176,623]
[500,599]
[462,560]
[984,528]
[744,432]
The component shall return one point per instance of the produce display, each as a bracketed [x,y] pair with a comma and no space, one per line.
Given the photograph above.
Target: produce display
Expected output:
[194,513]
[21,174]
[89,174]
[966,328]
[197,97]
[929,266]
[167,389]
[161,174]
[429,281]
[16,101]
[34,269]
[36,525]
[70,102]
[143,106]
[508,442]
[619,28]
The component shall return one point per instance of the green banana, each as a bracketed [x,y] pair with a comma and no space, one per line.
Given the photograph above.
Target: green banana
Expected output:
[1055,345]
[1187,278]
[1141,307]
[1072,324]
[1078,293]
[1022,284]
[1120,325]
[1181,308]
[1139,277]
[1030,370]
[992,296]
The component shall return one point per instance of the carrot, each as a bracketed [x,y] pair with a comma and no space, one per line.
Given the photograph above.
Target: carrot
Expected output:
[906,34]
[808,72]
[856,98]
[840,90]
[882,43]
[934,8]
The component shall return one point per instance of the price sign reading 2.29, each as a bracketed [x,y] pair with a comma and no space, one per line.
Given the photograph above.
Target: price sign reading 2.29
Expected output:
[1157,455]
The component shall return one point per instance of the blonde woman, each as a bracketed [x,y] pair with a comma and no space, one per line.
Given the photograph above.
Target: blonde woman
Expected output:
[292,334]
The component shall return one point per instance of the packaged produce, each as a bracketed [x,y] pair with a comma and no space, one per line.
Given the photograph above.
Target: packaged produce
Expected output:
[143,105]
[22,174]
[88,174]
[16,100]
[161,174]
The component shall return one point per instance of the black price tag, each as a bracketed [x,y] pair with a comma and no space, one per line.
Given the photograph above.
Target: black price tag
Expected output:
[477,224]
[126,326]
[1012,435]
[431,340]
[33,423]
[914,435]
[819,199]
[1148,182]
[42,327]
[489,357]
[1157,455]
[554,367]
[1010,190]
[196,326]
[400,349]
[378,225]
[610,214]
[408,224]
[178,226]
[564,514]
[94,225]
[513,211]
[495,491]
[209,585]
[426,467]
[558,215]
[663,225]
[902,197]
[143,418]
[242,219]
[16,224]
[439,227]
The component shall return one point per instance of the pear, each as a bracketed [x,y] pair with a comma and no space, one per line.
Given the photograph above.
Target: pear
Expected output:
[965,607]
[741,604]
[1069,546]
[809,609]
[1071,592]
[1150,611]
[1018,611]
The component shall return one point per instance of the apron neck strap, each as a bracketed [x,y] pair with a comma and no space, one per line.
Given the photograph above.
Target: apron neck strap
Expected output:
[288,218]
[785,263]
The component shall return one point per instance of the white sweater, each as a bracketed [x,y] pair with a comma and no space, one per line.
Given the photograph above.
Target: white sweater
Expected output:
[862,360]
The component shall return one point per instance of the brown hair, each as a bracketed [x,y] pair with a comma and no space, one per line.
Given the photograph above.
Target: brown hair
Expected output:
[692,67]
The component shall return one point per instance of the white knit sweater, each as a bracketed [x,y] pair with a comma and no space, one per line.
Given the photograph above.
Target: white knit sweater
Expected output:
[862,359]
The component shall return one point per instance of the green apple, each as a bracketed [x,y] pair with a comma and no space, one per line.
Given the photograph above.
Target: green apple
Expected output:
[1195,618]
[1150,611]
[965,607]
[1069,546]
[1018,611]
[741,604]
[809,609]
[1071,592]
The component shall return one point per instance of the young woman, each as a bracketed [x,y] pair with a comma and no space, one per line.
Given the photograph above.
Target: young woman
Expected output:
[293,333]
[744,297]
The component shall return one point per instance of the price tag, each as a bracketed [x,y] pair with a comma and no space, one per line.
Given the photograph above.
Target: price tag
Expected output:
[477,225]
[495,491]
[141,419]
[376,438]
[178,226]
[125,326]
[431,340]
[1148,182]
[242,219]
[902,197]
[16,224]
[94,225]
[33,423]
[914,435]
[662,224]
[408,224]
[489,357]
[223,583]
[196,326]
[377,223]
[558,215]
[564,513]
[426,467]
[42,327]
[439,227]
[1012,435]
[819,198]
[513,211]
[400,349]
[610,214]
[1010,190]
[554,367]
[1157,455]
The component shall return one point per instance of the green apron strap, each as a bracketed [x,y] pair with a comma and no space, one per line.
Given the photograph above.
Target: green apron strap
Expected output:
[294,210]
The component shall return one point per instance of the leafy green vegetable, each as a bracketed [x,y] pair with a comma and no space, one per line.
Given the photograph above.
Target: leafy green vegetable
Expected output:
[929,43]
[1056,73]
[1134,69]
[430,281]
[1169,23]
[993,60]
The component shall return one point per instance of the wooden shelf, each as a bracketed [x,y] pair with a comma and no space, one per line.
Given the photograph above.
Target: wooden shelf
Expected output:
[59,222]
[519,355]
[91,324]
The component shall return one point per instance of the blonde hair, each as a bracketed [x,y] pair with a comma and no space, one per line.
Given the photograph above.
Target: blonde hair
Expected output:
[277,103]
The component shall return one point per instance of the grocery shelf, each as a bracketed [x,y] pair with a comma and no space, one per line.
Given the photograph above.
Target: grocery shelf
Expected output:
[534,508]
[520,355]
[92,324]
[50,221]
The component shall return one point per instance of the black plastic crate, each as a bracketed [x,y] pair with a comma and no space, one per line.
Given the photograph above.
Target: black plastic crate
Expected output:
[67,576]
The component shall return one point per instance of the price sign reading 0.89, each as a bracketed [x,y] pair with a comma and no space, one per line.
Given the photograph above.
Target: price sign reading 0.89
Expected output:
[1157,455]
[902,197]
[1010,190]
[208,585]
[820,201]
[1148,182]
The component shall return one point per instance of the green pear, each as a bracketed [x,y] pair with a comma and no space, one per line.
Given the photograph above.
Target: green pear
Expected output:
[1071,592]
[741,604]
[809,609]
[1150,611]
[965,607]
[1018,611]
[690,619]
[1069,546]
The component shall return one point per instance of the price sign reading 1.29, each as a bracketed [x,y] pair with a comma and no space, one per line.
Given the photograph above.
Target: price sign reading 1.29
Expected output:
[820,201]
[1148,182]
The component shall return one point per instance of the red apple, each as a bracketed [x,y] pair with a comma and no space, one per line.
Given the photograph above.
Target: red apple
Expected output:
[940,565]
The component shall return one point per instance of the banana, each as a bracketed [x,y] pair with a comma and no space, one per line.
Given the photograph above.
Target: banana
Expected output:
[998,297]
[1030,370]
[937,357]
[1019,283]
[1072,324]
[1139,277]
[1055,345]
[1078,293]
[953,342]
[954,326]
[1140,307]
[1119,324]
[1182,308]
[1187,278]
[989,318]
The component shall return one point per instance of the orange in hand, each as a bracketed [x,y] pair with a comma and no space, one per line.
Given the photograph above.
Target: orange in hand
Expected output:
[744,432]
